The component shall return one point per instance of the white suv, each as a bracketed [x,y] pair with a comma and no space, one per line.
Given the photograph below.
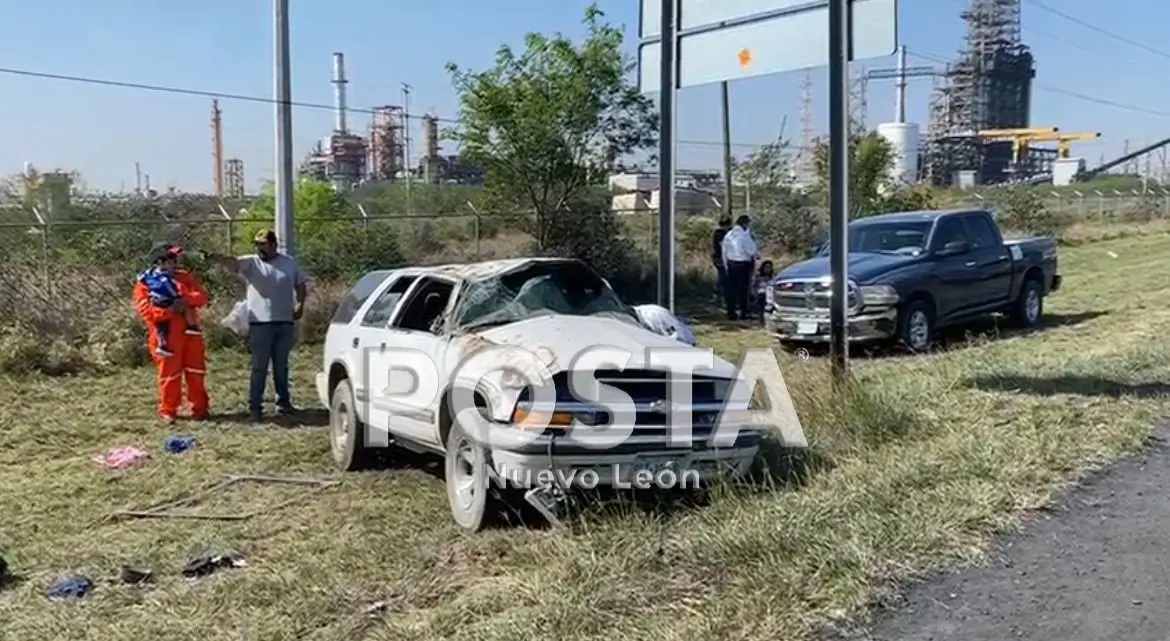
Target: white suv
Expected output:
[397,329]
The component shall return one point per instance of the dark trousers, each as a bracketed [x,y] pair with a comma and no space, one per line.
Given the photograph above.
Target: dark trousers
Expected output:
[737,292]
[270,343]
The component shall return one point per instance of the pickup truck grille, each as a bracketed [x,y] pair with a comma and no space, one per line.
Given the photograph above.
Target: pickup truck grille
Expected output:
[649,391]
[807,296]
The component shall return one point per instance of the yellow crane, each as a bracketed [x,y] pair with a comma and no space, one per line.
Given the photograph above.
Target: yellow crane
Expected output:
[1022,137]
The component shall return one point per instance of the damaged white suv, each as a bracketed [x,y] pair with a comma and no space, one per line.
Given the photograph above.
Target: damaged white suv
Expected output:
[405,343]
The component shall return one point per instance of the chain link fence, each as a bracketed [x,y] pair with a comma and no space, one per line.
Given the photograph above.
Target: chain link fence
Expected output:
[68,279]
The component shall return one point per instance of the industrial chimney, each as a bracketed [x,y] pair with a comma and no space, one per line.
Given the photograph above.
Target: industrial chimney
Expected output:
[339,83]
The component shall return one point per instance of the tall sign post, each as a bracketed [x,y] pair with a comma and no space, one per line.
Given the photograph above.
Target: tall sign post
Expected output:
[685,43]
[839,37]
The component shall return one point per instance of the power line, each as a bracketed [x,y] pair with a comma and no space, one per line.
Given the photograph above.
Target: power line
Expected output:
[1063,92]
[1105,32]
[187,91]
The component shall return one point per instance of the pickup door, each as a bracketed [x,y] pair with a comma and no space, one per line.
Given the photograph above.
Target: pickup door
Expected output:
[955,272]
[992,260]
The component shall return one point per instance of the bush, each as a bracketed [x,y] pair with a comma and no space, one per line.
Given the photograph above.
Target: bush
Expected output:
[1024,210]
[24,351]
[118,339]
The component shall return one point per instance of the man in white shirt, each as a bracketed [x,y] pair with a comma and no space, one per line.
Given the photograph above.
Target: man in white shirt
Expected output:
[276,297]
[739,255]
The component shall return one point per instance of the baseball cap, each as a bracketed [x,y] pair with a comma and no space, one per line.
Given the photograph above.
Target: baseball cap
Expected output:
[165,250]
[265,236]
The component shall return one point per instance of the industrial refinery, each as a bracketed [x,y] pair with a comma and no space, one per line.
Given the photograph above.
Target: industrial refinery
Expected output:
[348,160]
[980,130]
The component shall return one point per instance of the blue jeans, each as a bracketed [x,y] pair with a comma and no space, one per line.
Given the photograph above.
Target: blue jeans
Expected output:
[270,342]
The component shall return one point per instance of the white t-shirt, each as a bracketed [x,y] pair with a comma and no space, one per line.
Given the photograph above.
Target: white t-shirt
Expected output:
[659,320]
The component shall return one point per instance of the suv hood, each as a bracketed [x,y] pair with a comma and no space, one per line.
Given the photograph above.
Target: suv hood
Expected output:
[566,337]
[862,266]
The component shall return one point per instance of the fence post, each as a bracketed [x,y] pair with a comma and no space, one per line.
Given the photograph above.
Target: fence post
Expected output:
[44,231]
[231,233]
[1100,204]
[475,213]
[365,218]
[1080,203]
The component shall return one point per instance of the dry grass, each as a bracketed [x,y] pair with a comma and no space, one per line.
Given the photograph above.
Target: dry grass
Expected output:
[939,452]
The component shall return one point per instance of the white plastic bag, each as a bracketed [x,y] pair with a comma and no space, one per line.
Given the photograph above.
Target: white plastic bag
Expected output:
[237,319]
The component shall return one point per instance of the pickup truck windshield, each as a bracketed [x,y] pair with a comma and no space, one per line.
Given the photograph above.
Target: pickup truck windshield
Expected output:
[907,237]
[536,290]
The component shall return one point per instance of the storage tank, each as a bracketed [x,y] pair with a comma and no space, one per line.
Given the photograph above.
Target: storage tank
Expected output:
[904,138]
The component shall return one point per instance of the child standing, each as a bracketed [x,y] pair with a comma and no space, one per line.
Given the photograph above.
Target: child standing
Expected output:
[163,293]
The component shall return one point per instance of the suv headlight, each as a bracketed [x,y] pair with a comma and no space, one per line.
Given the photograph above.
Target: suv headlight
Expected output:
[878,295]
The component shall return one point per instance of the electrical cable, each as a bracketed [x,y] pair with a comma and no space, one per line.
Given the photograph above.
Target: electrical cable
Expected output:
[1100,30]
[1057,90]
[263,100]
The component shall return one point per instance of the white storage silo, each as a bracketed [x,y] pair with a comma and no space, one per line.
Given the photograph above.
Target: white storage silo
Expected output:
[904,138]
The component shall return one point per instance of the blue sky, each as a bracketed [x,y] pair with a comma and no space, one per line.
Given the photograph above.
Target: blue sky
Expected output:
[226,45]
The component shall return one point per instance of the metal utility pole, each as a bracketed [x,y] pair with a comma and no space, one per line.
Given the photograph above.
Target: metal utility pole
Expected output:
[839,40]
[726,106]
[284,150]
[666,116]
[406,142]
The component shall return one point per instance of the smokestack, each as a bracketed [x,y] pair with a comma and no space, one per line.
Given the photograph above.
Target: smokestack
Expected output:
[339,83]
[900,96]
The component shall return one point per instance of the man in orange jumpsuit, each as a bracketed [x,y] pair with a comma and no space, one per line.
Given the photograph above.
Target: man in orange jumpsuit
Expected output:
[189,359]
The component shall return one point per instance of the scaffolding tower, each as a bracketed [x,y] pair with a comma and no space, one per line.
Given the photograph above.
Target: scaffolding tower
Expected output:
[989,86]
[386,143]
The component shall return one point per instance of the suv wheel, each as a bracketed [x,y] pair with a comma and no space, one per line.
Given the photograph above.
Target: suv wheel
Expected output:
[467,479]
[347,433]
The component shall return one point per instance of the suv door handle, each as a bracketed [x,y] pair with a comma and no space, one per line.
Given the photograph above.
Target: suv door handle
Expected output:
[382,348]
[1003,257]
[355,342]
[970,263]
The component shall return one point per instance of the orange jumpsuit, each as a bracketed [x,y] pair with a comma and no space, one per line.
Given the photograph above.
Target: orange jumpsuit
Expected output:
[190,352]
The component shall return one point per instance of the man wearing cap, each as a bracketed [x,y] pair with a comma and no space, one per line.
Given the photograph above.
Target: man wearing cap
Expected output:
[185,354]
[276,297]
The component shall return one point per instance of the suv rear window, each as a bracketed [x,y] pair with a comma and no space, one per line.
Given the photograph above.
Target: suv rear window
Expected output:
[357,295]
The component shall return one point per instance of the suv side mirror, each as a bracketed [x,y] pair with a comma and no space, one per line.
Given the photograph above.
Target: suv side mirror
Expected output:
[953,248]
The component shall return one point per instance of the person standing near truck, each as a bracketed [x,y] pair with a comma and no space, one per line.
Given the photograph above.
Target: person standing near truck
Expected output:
[276,291]
[739,256]
[717,256]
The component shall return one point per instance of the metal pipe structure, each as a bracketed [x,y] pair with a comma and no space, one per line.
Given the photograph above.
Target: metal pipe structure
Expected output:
[666,119]
[339,103]
[283,111]
[839,37]
[900,96]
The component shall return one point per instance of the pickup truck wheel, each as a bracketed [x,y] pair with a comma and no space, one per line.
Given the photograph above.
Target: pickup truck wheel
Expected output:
[347,433]
[467,479]
[1029,306]
[916,325]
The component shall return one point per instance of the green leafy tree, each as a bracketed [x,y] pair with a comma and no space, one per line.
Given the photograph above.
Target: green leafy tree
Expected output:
[332,242]
[551,121]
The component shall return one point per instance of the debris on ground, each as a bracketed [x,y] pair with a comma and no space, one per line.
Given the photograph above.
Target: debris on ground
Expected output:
[206,565]
[178,444]
[136,575]
[3,570]
[74,586]
[121,457]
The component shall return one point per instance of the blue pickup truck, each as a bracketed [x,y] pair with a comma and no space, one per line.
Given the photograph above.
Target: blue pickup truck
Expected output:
[912,273]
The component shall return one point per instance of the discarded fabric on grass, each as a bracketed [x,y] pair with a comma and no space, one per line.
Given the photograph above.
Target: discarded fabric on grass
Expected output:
[121,457]
[178,444]
[74,586]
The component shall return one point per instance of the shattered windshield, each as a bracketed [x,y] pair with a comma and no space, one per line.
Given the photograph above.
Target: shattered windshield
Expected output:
[538,289]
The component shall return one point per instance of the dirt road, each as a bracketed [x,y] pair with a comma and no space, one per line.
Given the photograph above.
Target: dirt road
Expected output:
[1095,566]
